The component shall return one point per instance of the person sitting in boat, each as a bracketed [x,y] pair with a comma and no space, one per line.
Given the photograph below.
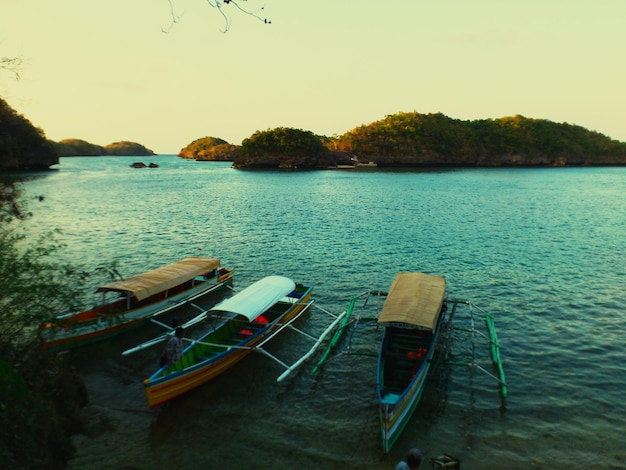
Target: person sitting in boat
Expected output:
[413,460]
[174,350]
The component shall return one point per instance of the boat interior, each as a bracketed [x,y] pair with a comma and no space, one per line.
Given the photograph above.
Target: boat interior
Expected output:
[406,350]
[225,330]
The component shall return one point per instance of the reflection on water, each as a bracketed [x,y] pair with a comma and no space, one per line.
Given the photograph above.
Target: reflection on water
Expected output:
[542,250]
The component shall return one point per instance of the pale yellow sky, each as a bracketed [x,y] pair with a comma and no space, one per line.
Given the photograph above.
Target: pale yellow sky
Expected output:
[105,71]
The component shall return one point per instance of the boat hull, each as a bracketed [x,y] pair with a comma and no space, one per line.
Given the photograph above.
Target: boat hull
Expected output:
[403,367]
[206,358]
[97,325]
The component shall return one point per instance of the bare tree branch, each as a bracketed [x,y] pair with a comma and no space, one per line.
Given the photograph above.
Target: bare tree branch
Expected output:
[219,5]
[175,18]
[253,14]
[12,65]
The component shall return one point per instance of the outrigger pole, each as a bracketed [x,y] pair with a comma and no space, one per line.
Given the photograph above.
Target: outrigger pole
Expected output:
[494,348]
[339,333]
[318,341]
[336,337]
[170,331]
[259,347]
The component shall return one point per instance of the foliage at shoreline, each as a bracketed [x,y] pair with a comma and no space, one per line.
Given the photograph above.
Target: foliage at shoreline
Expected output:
[41,395]
[22,145]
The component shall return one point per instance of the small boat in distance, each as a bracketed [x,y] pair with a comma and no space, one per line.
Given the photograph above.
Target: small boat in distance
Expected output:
[137,299]
[412,317]
[236,327]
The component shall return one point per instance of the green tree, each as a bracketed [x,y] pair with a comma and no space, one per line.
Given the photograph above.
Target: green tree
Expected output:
[283,147]
[23,146]
[125,148]
[413,139]
[40,395]
[209,149]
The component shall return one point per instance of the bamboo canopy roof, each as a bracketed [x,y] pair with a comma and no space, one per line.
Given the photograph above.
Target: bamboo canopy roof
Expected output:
[414,300]
[164,278]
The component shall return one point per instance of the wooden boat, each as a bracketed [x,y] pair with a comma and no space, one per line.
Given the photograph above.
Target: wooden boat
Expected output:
[237,326]
[412,317]
[136,299]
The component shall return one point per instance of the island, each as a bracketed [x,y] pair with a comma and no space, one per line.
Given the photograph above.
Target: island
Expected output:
[80,148]
[414,140]
[401,140]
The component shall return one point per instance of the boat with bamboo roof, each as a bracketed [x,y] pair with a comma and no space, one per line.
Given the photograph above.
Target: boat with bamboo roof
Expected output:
[128,303]
[412,318]
[417,321]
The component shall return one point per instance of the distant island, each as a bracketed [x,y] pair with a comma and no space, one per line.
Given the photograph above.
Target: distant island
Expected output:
[23,147]
[402,140]
[413,140]
[209,149]
[77,147]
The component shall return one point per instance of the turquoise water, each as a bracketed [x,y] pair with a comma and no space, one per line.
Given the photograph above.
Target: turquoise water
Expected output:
[542,250]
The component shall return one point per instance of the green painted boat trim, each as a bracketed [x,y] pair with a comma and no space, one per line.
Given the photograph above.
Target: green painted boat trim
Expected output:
[336,337]
[495,354]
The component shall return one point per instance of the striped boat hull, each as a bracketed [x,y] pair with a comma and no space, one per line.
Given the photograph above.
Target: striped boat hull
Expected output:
[196,369]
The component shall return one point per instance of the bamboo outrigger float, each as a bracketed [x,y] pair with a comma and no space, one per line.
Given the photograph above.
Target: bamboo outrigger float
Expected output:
[137,299]
[237,326]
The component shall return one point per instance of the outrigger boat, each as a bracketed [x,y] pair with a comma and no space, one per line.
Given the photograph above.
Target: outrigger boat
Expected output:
[412,317]
[417,321]
[237,326]
[137,299]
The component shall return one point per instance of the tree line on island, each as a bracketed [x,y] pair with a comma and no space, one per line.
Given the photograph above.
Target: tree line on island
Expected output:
[420,140]
[77,147]
[399,140]
[24,147]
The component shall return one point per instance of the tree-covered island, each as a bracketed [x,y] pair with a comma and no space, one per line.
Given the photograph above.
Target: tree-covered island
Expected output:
[402,140]
[423,140]
[24,147]
[77,147]
[413,139]
[210,149]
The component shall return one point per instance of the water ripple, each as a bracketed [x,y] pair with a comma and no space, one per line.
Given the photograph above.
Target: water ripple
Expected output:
[543,250]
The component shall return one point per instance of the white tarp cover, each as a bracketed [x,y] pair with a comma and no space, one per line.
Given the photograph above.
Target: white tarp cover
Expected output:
[414,299]
[163,278]
[257,298]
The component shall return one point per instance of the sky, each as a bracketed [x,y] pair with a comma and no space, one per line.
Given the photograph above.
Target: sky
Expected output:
[106,71]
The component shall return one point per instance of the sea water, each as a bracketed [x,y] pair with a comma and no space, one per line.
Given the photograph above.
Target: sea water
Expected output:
[542,250]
